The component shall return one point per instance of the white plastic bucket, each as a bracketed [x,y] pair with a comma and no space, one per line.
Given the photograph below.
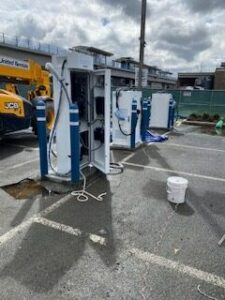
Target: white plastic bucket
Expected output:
[176,189]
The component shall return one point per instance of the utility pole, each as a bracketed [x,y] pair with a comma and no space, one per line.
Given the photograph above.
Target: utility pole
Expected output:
[142,42]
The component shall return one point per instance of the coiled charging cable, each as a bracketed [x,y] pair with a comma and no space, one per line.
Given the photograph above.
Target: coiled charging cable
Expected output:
[83,195]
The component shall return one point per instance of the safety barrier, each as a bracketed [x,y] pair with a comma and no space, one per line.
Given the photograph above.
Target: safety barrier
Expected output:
[74,140]
[74,143]
[42,138]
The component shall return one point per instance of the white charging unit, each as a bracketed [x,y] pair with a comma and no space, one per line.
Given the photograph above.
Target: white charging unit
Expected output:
[123,130]
[91,90]
[160,110]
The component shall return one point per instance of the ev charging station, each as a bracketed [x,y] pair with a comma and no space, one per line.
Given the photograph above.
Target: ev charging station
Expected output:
[134,114]
[85,116]
[126,119]
[130,118]
[82,100]
[162,110]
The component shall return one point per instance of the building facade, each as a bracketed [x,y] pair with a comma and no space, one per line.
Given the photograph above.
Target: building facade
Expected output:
[203,80]
[123,69]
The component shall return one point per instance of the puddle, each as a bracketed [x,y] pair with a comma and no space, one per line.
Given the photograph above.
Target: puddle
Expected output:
[26,189]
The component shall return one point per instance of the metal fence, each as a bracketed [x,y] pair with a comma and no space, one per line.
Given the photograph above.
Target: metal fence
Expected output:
[197,101]
[23,42]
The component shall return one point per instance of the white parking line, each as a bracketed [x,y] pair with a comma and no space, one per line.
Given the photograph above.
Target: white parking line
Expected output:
[175,172]
[24,163]
[39,218]
[168,132]
[142,255]
[58,226]
[54,206]
[70,230]
[13,232]
[22,146]
[178,267]
[127,157]
[193,147]
[20,164]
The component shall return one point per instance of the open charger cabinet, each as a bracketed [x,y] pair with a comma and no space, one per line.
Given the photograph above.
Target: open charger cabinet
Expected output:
[91,90]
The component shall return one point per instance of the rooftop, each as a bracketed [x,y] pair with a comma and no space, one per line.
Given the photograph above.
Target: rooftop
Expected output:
[92,50]
[192,74]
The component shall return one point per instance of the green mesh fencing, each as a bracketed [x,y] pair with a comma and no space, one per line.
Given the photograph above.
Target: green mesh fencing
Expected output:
[196,101]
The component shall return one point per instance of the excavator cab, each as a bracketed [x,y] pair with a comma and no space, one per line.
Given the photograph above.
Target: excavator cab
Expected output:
[19,113]
[16,113]
[12,88]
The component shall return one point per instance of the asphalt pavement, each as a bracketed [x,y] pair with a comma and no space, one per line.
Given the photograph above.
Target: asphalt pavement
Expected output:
[132,245]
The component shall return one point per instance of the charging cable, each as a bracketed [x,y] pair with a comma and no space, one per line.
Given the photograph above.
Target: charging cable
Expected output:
[60,79]
[83,195]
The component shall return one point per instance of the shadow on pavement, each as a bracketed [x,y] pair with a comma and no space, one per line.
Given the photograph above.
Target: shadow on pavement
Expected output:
[45,254]
[25,138]
[7,150]
[211,207]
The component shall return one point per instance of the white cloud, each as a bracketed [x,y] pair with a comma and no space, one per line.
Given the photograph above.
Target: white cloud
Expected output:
[180,35]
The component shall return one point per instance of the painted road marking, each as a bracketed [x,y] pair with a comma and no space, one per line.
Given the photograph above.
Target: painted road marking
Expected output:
[175,172]
[39,218]
[167,133]
[144,256]
[127,157]
[70,230]
[178,267]
[193,147]
[54,206]
[20,164]
[22,146]
[13,232]
[58,226]
[23,163]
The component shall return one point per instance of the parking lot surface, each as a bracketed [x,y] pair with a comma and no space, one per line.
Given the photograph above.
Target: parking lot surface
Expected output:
[132,245]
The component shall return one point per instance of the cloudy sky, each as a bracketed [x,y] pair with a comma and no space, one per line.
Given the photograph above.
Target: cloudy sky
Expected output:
[181,35]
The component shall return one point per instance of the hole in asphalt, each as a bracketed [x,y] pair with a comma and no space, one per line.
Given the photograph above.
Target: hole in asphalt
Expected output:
[26,189]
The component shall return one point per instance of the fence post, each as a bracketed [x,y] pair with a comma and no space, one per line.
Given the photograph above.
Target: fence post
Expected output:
[178,105]
[210,106]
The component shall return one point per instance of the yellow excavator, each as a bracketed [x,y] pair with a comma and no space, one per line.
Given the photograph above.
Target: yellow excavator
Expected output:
[17,111]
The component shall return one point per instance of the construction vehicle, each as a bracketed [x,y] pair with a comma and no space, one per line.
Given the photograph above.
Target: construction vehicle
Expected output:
[17,111]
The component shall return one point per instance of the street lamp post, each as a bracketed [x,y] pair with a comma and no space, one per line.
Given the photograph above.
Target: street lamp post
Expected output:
[142,42]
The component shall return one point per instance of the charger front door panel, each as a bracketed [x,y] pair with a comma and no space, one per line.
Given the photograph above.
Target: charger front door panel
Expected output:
[121,129]
[100,129]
